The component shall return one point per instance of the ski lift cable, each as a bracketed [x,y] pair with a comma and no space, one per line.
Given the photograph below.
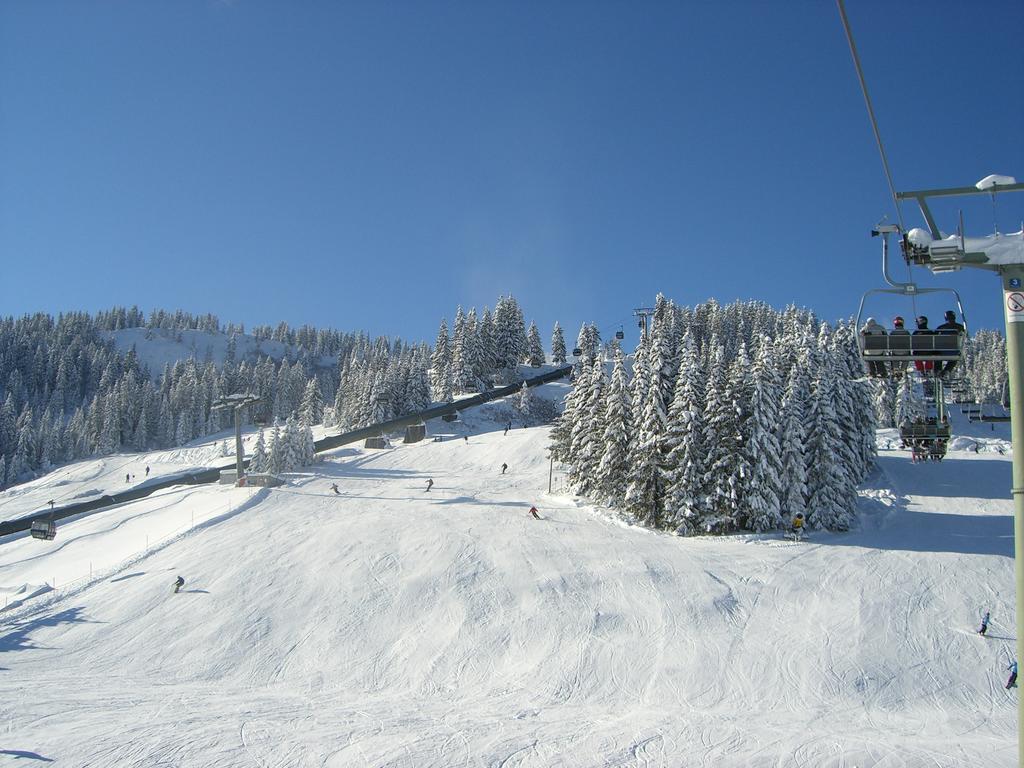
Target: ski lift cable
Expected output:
[871,111]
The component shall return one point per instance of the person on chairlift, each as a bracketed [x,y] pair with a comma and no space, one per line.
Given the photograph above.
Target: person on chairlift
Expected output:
[950,326]
[898,330]
[923,330]
[871,327]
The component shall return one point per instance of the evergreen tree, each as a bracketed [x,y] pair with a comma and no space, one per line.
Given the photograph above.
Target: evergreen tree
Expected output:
[644,495]
[276,453]
[312,408]
[832,490]
[588,431]
[536,350]
[685,465]
[763,452]
[525,403]
[613,467]
[557,345]
[792,440]
[258,461]
[441,363]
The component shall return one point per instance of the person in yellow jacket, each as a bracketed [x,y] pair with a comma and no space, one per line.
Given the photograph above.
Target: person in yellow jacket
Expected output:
[798,525]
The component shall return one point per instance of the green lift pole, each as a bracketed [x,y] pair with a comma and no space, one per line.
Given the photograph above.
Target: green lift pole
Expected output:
[1013,279]
[942,256]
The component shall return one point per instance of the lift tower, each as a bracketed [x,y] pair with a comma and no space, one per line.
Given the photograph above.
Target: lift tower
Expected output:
[1004,255]
[236,402]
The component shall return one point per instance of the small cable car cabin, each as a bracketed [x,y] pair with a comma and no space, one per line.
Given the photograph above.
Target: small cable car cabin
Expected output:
[43,529]
[577,352]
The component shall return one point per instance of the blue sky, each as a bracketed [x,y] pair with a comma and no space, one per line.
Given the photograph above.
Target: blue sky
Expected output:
[372,165]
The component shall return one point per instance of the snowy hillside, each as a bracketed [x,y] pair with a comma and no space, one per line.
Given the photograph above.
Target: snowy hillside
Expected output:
[393,626]
[158,347]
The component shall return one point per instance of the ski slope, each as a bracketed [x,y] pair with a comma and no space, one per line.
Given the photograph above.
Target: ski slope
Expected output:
[390,626]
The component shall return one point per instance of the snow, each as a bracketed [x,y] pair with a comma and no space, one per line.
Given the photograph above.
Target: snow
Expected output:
[158,347]
[392,626]
[919,237]
[995,179]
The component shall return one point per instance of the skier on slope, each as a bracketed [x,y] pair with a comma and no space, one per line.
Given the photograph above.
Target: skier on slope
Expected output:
[533,511]
[798,526]
[984,624]
[430,483]
[503,468]
[334,487]
[178,584]
[1012,682]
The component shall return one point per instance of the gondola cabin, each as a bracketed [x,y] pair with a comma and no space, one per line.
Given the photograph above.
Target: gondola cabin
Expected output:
[43,529]
[577,352]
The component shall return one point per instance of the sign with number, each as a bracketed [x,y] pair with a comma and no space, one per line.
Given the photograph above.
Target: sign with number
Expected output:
[1015,282]
[1014,307]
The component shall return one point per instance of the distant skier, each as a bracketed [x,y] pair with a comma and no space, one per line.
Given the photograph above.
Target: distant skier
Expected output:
[533,511]
[798,526]
[178,584]
[1012,682]
[430,483]
[508,427]
[503,468]
[984,624]
[147,470]
[127,477]
[466,438]
[334,487]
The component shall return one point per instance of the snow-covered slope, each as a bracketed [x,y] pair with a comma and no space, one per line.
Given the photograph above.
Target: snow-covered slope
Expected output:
[393,626]
[158,347]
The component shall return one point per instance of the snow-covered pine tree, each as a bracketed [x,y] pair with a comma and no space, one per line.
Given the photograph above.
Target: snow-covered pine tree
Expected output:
[258,460]
[485,345]
[645,493]
[883,399]
[535,354]
[312,409]
[524,403]
[762,449]
[685,467]
[723,438]
[909,400]
[792,442]
[557,345]
[440,362]
[832,489]
[275,453]
[612,471]
[561,433]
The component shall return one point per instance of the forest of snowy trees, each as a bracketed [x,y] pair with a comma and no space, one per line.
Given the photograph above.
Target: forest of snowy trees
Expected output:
[487,350]
[732,417]
[66,393]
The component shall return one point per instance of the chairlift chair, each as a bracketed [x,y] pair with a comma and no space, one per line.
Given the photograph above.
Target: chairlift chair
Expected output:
[44,529]
[936,346]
